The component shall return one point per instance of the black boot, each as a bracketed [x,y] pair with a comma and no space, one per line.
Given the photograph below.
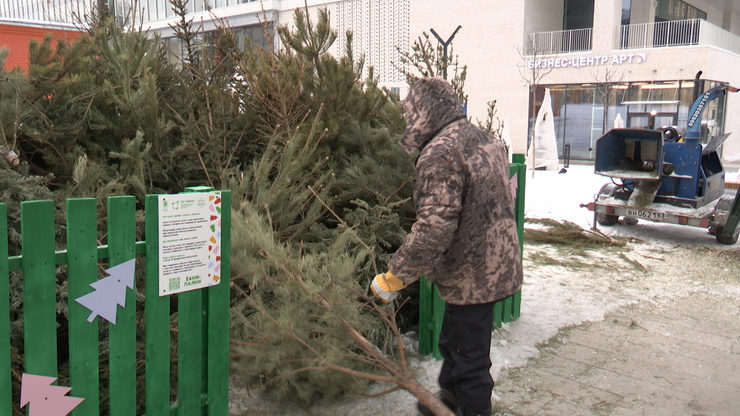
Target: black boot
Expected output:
[446,397]
[462,412]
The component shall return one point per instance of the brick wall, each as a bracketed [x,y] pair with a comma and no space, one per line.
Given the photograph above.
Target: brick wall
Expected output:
[15,38]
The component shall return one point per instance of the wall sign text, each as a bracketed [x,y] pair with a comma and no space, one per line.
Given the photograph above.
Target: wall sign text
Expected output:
[587,61]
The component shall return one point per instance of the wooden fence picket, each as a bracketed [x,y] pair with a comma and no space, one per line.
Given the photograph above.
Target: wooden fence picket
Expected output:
[157,322]
[39,288]
[82,269]
[203,328]
[218,322]
[122,335]
[6,402]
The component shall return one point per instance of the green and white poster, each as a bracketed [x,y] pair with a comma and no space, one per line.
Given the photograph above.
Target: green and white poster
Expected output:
[189,241]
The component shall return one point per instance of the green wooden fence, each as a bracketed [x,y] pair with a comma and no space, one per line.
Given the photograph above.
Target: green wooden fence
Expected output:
[432,307]
[202,325]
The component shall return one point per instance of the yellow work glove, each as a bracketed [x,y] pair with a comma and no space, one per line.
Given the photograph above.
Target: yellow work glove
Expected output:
[385,286]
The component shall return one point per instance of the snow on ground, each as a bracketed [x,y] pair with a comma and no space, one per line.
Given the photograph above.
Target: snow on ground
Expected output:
[553,297]
[576,298]
[732,174]
[558,195]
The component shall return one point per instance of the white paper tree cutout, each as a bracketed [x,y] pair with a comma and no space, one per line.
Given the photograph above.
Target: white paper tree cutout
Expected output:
[110,292]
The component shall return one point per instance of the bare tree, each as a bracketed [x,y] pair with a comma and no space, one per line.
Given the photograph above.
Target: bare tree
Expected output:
[426,60]
[494,124]
[605,78]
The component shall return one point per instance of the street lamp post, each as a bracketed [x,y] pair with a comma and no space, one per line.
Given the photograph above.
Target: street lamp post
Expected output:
[445,44]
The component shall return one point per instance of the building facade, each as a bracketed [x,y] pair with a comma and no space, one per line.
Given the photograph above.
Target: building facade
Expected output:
[22,21]
[634,61]
[604,61]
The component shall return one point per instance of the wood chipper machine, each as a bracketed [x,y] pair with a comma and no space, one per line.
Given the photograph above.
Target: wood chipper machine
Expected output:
[659,176]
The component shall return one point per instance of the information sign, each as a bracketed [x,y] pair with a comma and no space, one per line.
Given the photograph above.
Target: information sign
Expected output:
[189,241]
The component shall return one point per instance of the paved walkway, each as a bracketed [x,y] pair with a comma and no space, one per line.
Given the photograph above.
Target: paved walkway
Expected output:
[677,358]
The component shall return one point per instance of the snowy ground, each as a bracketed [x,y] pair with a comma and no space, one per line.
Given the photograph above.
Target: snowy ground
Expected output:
[553,297]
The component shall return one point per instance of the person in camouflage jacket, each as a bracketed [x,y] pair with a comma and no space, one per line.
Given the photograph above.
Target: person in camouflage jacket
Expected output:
[464,238]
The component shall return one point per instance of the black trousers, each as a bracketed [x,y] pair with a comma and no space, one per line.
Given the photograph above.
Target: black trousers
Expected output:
[465,344]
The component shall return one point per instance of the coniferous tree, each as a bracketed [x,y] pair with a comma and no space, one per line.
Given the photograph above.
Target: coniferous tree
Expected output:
[339,136]
[309,149]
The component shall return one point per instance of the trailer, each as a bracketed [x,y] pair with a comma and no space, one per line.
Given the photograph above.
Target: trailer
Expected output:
[720,218]
[661,176]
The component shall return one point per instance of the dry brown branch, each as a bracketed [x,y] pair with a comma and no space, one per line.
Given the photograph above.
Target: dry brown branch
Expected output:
[499,331]
[382,393]
[389,318]
[397,190]
[567,233]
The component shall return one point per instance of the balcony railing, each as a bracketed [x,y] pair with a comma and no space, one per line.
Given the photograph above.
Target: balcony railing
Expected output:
[155,10]
[559,41]
[676,33]
[72,12]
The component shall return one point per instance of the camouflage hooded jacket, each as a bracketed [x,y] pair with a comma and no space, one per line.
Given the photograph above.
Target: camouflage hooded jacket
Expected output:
[464,238]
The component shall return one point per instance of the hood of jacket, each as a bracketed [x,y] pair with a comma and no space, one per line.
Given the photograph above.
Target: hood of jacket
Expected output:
[430,105]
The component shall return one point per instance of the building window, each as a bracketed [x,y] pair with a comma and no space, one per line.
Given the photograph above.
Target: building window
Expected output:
[204,43]
[668,10]
[584,112]
[679,26]
[578,14]
[255,35]
[626,11]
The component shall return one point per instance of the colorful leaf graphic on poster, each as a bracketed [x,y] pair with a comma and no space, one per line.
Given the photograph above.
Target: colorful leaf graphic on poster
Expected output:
[214,248]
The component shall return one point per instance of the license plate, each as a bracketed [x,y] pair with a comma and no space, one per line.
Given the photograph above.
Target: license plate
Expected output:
[648,215]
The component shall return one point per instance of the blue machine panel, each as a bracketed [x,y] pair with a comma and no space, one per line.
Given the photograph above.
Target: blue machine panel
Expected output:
[686,159]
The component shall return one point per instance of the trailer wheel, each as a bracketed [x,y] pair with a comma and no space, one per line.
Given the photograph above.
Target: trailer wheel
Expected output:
[630,221]
[721,214]
[607,190]
[606,219]
[725,239]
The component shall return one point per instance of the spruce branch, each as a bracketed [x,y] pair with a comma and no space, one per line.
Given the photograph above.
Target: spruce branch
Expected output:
[398,373]
[357,237]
